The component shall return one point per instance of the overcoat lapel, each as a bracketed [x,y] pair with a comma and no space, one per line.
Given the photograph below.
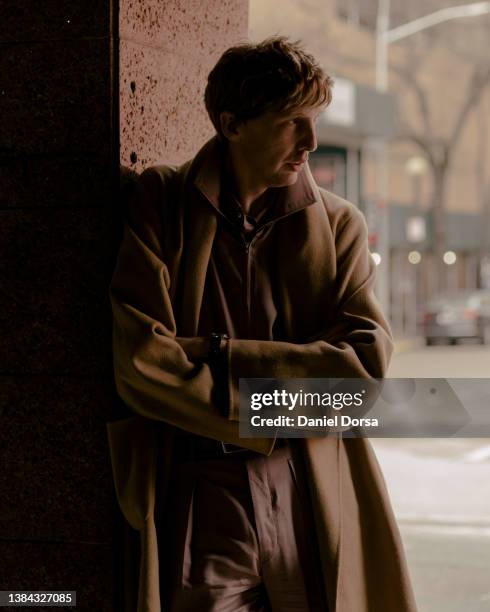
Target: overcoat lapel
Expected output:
[201,186]
[200,230]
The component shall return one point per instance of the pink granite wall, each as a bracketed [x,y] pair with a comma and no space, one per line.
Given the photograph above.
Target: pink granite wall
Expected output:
[166,51]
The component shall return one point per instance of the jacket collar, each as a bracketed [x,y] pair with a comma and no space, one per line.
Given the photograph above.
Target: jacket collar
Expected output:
[207,168]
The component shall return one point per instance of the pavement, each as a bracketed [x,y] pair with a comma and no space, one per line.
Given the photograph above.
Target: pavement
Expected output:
[439,488]
[438,481]
[440,494]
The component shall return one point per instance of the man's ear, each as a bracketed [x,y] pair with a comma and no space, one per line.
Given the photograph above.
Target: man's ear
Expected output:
[229,126]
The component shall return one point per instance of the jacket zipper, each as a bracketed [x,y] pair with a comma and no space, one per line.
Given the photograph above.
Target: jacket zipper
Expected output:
[248,283]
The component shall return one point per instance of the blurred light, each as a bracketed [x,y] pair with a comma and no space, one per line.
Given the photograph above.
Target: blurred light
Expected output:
[414,257]
[376,257]
[415,229]
[449,258]
[416,166]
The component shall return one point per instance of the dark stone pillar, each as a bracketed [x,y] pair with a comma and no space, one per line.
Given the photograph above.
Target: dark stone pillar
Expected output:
[57,169]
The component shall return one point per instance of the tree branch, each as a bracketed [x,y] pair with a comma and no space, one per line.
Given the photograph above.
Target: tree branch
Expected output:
[408,135]
[408,76]
[479,80]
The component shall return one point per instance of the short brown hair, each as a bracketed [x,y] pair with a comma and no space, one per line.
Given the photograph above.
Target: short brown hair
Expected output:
[275,74]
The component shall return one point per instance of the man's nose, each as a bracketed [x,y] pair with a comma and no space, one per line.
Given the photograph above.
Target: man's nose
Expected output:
[308,138]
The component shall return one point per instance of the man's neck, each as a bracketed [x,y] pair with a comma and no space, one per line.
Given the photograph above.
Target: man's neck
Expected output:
[245,187]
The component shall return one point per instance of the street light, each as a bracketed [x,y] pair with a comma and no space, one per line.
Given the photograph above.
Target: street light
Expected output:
[384,37]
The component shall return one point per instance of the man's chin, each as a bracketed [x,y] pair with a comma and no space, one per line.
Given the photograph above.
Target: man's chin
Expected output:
[285,178]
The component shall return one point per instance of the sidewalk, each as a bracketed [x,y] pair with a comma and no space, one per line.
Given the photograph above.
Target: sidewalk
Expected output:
[437,481]
[441,498]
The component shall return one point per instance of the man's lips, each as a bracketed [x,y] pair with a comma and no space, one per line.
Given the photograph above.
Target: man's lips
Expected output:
[296,163]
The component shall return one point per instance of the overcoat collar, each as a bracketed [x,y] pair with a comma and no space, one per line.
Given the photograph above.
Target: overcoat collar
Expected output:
[207,169]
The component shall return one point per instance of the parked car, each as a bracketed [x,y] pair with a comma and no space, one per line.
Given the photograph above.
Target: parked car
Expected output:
[457,316]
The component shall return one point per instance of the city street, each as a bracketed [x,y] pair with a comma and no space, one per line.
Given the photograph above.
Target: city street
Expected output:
[465,360]
[440,490]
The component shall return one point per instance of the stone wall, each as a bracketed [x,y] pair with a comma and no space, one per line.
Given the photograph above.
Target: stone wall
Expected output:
[166,52]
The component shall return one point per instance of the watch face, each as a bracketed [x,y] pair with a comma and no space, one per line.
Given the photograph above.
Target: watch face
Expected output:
[215,343]
[215,348]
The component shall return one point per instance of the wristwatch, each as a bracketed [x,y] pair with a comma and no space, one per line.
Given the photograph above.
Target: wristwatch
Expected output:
[217,344]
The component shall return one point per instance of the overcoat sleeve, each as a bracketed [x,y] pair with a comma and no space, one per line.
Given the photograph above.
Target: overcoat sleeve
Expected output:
[153,374]
[355,341]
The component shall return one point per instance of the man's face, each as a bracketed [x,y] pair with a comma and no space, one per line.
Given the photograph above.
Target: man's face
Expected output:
[276,145]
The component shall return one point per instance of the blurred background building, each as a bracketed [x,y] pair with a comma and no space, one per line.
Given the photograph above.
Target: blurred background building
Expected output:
[427,202]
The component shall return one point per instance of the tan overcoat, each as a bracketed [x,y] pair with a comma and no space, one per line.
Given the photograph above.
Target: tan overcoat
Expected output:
[335,329]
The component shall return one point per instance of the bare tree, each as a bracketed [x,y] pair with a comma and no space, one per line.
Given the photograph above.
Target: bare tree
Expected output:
[439,148]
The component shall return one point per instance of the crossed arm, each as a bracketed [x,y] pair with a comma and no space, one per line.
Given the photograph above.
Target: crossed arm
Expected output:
[162,376]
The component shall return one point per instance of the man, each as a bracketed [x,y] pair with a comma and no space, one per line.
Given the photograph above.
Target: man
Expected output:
[237,265]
